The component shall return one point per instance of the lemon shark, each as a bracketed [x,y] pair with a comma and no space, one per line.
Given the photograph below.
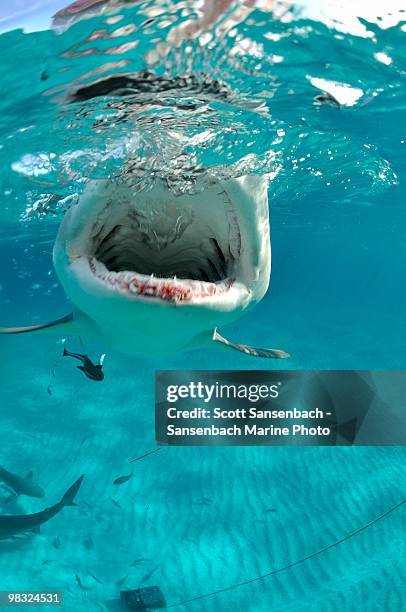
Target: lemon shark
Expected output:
[150,271]
[21,485]
[12,525]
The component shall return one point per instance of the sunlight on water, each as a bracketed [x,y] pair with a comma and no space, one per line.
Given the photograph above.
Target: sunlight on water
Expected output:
[220,101]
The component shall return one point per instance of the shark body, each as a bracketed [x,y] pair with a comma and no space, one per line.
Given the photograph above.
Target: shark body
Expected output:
[11,525]
[147,271]
[21,485]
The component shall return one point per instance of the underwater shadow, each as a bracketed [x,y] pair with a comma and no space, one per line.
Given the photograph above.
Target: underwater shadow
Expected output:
[9,546]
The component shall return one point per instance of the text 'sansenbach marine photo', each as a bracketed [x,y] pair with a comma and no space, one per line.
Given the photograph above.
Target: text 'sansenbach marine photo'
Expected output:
[181,427]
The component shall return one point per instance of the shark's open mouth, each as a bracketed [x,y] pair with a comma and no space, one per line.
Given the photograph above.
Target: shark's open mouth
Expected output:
[171,289]
[168,250]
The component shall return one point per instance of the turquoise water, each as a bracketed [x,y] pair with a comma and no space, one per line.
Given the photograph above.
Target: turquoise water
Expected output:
[196,520]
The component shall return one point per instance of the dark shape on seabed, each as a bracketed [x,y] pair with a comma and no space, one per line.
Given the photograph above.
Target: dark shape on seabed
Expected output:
[88,542]
[11,525]
[91,370]
[327,98]
[122,479]
[148,598]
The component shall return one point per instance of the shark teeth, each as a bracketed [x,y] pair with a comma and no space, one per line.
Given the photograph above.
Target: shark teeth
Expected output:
[167,289]
[133,288]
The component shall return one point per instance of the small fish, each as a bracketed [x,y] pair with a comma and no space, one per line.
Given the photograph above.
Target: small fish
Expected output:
[138,561]
[120,582]
[78,580]
[91,370]
[21,485]
[48,561]
[96,578]
[205,501]
[114,502]
[148,576]
[122,479]
[57,542]
[85,510]
[88,542]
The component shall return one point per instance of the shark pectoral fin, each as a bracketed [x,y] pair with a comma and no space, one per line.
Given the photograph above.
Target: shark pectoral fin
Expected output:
[36,529]
[8,488]
[10,498]
[80,368]
[250,350]
[64,325]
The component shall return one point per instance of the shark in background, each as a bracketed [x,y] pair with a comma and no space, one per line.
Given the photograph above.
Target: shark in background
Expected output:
[20,485]
[14,524]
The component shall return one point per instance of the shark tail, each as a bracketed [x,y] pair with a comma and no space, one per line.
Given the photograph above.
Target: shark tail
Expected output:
[68,498]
